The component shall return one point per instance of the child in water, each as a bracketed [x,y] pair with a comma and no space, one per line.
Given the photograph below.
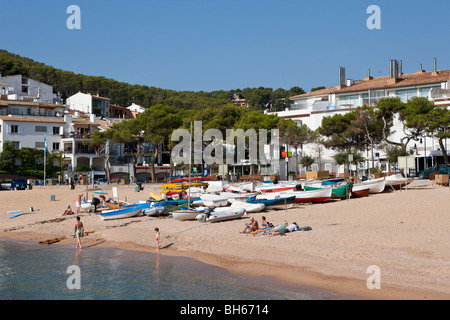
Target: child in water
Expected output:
[158,236]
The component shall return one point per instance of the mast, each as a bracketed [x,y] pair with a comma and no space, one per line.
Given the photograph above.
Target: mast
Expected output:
[190,163]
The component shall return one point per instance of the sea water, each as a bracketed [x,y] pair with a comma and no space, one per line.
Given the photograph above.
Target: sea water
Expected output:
[31,271]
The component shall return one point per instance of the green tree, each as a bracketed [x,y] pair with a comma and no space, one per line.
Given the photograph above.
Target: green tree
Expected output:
[101,141]
[422,116]
[295,135]
[343,158]
[387,110]
[368,126]
[307,161]
[7,157]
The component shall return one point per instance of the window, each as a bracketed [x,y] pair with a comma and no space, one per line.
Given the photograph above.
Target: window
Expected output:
[424,92]
[41,129]
[351,101]
[14,128]
[16,145]
[55,130]
[55,145]
[405,95]
[24,89]
[39,145]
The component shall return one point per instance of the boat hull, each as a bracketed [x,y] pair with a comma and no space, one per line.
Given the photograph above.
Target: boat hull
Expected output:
[397,182]
[123,213]
[313,196]
[376,186]
[183,215]
[285,202]
[223,214]
[360,192]
[249,207]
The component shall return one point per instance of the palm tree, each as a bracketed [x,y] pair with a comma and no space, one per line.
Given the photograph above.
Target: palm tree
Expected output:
[307,161]
[342,158]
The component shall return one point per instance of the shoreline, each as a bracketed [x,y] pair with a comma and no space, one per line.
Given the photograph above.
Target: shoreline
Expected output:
[409,246]
[288,275]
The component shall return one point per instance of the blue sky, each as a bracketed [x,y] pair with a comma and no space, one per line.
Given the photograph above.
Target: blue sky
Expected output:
[205,45]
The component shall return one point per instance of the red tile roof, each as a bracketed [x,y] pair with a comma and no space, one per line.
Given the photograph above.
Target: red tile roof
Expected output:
[407,80]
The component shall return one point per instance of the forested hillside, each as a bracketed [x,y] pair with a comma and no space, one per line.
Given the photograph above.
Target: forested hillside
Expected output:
[121,93]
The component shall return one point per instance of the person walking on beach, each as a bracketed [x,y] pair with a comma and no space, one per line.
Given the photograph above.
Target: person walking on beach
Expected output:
[79,230]
[158,236]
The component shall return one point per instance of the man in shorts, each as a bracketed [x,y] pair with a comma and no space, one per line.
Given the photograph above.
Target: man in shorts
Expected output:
[79,230]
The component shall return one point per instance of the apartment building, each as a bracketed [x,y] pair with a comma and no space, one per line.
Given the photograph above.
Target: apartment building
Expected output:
[22,88]
[89,104]
[348,94]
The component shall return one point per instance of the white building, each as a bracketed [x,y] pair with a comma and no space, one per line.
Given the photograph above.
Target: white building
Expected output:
[135,109]
[25,89]
[30,132]
[89,104]
[310,108]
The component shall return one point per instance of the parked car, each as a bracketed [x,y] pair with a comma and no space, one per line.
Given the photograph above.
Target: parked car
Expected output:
[425,174]
[101,181]
[14,184]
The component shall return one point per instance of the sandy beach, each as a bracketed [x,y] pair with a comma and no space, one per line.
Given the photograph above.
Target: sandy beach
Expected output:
[404,233]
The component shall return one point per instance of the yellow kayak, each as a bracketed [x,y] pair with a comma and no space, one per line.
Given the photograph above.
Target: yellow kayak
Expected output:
[181,186]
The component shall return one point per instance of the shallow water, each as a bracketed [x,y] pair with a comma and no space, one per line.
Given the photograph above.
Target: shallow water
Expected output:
[31,271]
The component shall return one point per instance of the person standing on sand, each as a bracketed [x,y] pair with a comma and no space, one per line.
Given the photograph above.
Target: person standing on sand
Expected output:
[78,203]
[158,236]
[79,230]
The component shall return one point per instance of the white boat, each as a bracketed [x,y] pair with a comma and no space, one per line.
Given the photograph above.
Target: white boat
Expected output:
[213,200]
[312,196]
[194,192]
[155,211]
[243,187]
[231,196]
[312,183]
[277,202]
[249,207]
[185,214]
[270,187]
[124,212]
[222,214]
[87,206]
[397,181]
[376,185]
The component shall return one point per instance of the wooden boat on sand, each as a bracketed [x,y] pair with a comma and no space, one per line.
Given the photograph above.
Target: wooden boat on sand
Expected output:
[124,212]
[281,202]
[360,191]
[376,185]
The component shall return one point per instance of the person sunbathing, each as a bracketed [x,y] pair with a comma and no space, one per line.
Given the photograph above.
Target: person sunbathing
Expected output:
[250,227]
[264,226]
[68,211]
[286,228]
[272,231]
